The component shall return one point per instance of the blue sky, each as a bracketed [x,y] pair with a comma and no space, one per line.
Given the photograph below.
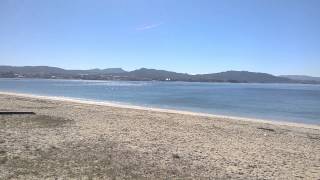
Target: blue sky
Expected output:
[273,36]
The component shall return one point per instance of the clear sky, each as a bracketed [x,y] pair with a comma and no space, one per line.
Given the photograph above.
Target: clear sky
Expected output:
[194,36]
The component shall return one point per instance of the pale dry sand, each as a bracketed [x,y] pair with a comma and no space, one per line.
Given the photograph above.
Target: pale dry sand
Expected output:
[73,139]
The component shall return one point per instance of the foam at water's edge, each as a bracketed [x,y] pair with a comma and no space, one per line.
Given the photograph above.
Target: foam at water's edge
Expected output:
[113,104]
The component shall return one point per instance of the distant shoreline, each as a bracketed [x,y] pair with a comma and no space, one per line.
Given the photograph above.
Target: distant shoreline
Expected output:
[145,74]
[125,106]
[99,80]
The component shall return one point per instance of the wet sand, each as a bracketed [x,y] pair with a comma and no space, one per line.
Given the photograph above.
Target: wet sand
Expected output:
[68,139]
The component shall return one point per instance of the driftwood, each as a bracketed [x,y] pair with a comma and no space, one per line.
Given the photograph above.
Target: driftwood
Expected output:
[15,112]
[266,129]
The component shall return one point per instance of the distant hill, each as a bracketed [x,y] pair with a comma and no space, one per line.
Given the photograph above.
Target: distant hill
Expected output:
[145,74]
[160,75]
[228,76]
[31,69]
[98,71]
[54,72]
[302,78]
[244,76]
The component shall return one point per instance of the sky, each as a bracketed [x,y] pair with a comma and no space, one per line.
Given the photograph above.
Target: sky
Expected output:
[193,36]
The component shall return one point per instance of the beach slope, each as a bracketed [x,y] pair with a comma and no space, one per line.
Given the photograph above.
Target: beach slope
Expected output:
[70,139]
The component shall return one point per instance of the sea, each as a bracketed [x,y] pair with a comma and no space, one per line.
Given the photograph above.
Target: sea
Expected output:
[298,103]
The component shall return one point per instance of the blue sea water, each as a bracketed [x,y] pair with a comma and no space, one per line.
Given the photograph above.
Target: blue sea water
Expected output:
[278,102]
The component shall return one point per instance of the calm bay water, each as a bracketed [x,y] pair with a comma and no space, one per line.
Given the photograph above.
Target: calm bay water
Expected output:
[284,102]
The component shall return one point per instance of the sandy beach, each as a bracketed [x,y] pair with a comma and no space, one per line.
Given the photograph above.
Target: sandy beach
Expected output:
[68,139]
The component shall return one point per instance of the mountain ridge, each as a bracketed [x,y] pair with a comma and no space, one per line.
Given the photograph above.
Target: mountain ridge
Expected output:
[143,74]
[301,77]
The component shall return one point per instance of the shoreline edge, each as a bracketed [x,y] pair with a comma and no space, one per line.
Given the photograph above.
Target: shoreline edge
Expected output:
[136,107]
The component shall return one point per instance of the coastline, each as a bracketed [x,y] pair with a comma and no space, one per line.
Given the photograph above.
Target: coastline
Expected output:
[163,110]
[71,139]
